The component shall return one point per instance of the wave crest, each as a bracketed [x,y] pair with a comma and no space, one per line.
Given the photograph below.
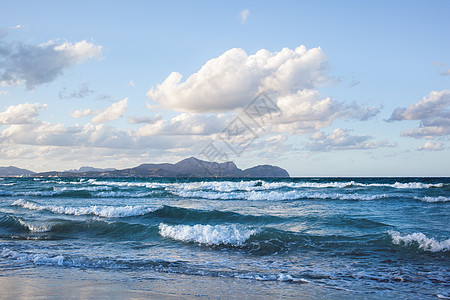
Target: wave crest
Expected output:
[433,199]
[206,234]
[420,240]
[97,210]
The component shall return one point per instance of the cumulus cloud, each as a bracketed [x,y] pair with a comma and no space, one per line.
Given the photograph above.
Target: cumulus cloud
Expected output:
[186,124]
[340,139]
[145,120]
[430,146]
[38,64]
[21,114]
[233,79]
[433,112]
[82,92]
[114,112]
[83,113]
[243,15]
[46,134]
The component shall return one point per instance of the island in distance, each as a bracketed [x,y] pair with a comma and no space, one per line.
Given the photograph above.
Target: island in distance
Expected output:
[189,167]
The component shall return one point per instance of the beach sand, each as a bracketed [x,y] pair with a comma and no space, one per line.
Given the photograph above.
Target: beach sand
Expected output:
[52,282]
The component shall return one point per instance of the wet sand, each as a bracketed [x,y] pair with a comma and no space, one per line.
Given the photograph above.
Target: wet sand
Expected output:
[46,282]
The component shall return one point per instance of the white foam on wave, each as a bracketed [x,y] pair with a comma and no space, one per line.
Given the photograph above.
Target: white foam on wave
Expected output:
[34,228]
[289,278]
[86,188]
[97,210]
[410,185]
[421,240]
[151,185]
[230,186]
[57,259]
[276,195]
[39,259]
[207,234]
[103,192]
[433,199]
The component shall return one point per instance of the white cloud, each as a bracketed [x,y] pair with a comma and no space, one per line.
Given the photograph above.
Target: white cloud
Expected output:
[114,112]
[186,124]
[89,136]
[20,114]
[38,64]
[143,120]
[83,113]
[243,15]
[38,133]
[430,146]
[433,112]
[233,79]
[3,93]
[132,84]
[340,139]
[306,111]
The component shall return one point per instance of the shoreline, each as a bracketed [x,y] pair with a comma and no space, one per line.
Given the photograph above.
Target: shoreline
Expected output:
[45,282]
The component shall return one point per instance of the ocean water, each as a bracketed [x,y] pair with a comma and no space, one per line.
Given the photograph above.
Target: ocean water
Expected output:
[369,237]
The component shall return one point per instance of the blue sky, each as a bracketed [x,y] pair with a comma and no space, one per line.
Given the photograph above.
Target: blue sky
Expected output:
[362,88]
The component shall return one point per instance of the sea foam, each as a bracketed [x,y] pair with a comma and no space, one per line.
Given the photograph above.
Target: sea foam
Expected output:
[276,195]
[34,228]
[97,210]
[207,234]
[433,199]
[421,240]
[39,259]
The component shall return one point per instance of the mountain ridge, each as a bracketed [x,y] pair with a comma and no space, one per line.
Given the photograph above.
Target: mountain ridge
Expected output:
[188,167]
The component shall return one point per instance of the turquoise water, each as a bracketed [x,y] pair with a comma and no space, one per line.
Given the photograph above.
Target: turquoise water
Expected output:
[366,236]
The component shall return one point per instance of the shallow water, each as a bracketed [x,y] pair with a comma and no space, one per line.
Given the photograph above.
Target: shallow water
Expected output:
[369,237]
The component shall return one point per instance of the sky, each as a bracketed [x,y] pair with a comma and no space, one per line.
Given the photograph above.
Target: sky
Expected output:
[320,88]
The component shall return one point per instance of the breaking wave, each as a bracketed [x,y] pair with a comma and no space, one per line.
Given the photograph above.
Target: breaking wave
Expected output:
[433,199]
[97,210]
[419,240]
[206,234]
[275,195]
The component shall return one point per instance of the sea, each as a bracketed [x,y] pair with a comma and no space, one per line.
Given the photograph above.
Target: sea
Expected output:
[345,237]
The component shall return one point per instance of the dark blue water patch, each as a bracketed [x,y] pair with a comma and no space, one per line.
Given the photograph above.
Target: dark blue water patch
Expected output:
[58,229]
[11,224]
[191,216]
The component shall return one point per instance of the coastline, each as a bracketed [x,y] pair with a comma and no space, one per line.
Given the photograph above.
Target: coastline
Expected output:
[50,282]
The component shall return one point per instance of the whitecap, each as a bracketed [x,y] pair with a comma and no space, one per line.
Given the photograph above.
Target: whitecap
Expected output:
[433,199]
[421,240]
[97,210]
[39,259]
[87,188]
[34,228]
[207,234]
[275,195]
[289,278]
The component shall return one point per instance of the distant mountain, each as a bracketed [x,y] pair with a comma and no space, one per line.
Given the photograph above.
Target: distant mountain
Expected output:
[14,171]
[189,167]
[265,171]
[85,169]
